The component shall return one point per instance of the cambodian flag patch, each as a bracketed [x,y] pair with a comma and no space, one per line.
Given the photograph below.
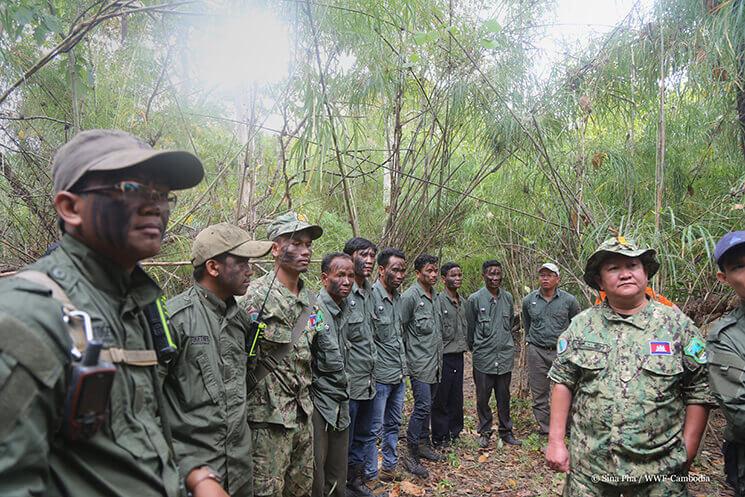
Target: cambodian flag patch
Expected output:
[660,348]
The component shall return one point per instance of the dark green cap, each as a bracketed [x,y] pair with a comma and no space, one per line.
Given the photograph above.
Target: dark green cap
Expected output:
[111,150]
[292,223]
[618,245]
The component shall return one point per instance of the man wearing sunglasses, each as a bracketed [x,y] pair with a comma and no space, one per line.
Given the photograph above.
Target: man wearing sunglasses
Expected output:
[112,197]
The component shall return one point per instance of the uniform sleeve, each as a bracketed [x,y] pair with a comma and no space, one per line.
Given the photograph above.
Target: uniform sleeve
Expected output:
[563,370]
[470,322]
[695,381]
[407,308]
[525,316]
[573,307]
[29,394]
[727,377]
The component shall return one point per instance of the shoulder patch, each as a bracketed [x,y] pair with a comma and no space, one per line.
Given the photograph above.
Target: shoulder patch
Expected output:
[696,350]
[562,345]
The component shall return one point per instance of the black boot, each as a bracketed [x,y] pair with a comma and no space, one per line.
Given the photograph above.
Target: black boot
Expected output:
[412,464]
[355,486]
[426,452]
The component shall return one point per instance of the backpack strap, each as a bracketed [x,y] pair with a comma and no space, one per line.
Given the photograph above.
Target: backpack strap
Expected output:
[269,362]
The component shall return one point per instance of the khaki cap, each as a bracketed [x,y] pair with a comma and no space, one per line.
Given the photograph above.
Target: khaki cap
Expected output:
[225,238]
[111,150]
[292,223]
[551,267]
[622,246]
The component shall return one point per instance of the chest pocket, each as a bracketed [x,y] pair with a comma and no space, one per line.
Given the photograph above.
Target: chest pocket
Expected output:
[484,322]
[425,323]
[448,330]
[328,355]
[727,374]
[209,379]
[133,406]
[354,329]
[591,357]
[383,326]
[536,318]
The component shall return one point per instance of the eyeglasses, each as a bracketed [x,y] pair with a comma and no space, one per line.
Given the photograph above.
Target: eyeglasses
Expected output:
[132,190]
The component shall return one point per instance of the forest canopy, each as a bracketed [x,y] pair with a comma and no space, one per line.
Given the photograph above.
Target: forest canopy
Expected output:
[425,125]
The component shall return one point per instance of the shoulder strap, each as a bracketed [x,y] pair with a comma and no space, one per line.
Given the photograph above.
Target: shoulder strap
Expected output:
[77,332]
[269,362]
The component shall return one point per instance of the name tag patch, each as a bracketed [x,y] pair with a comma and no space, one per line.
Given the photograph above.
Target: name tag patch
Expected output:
[200,340]
[660,348]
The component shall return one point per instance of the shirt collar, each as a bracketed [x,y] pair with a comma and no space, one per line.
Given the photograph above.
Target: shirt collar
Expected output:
[108,276]
[220,307]
[330,303]
[382,292]
[638,320]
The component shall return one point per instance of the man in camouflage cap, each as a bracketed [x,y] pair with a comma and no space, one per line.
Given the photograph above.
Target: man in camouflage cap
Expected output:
[279,405]
[205,383]
[633,373]
[113,200]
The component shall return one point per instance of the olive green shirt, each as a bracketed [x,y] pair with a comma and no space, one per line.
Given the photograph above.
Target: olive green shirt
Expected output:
[390,358]
[726,355]
[329,388]
[631,380]
[544,320]
[454,323]
[360,343]
[490,331]
[130,453]
[279,397]
[420,317]
[205,386]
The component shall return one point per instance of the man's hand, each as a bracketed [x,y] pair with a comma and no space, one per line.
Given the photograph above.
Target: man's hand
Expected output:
[201,484]
[557,456]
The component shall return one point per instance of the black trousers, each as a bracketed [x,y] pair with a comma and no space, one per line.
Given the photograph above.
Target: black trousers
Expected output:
[734,466]
[500,385]
[447,407]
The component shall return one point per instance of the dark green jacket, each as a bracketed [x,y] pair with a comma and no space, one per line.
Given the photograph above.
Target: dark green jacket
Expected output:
[360,344]
[130,454]
[726,355]
[329,389]
[422,334]
[490,331]
[454,323]
[544,320]
[390,358]
[205,386]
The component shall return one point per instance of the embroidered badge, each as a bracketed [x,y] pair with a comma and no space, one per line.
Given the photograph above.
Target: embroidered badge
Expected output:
[445,311]
[562,345]
[200,340]
[380,308]
[421,304]
[696,350]
[660,348]
[352,303]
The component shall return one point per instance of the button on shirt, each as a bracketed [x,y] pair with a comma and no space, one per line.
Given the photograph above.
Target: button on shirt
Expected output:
[544,320]
[454,323]
[205,385]
[360,343]
[390,358]
[329,388]
[490,331]
[631,382]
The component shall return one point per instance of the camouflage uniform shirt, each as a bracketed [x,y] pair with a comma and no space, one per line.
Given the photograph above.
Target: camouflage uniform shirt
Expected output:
[631,379]
[726,355]
[360,344]
[130,453]
[422,334]
[329,389]
[390,358]
[283,393]
[205,386]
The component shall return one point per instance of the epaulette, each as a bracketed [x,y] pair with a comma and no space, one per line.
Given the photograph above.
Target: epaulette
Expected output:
[721,324]
[178,304]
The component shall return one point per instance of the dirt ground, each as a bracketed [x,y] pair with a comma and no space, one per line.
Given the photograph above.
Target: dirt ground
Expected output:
[508,471]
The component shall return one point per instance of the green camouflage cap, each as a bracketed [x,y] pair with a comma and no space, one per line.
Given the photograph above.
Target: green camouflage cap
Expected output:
[225,238]
[618,245]
[111,150]
[292,222]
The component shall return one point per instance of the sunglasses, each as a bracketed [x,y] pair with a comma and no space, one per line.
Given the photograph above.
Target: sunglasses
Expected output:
[134,191]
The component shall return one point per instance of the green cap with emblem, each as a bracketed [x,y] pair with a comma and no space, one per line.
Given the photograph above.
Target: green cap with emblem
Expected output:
[292,223]
[225,238]
[112,150]
[622,246]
